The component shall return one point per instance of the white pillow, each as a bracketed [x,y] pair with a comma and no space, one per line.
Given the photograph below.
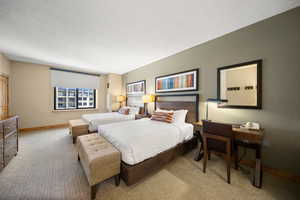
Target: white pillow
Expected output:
[134,110]
[178,116]
[125,107]
[167,111]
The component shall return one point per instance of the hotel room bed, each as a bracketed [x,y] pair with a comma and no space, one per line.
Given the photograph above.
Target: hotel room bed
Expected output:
[147,145]
[94,120]
[142,139]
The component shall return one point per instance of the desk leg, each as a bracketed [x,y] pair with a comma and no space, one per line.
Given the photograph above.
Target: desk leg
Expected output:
[257,178]
[200,153]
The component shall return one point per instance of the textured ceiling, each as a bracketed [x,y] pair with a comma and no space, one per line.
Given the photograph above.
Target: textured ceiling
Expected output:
[109,36]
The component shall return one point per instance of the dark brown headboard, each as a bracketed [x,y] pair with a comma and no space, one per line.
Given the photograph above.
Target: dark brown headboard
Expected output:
[188,102]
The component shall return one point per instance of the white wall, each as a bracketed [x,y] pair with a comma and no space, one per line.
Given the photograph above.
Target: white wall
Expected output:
[32,96]
[114,90]
[4,65]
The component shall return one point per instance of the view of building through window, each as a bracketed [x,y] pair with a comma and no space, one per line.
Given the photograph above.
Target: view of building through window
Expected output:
[74,98]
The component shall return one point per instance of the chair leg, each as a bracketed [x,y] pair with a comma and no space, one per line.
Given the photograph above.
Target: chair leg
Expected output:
[205,154]
[117,179]
[236,157]
[93,192]
[228,168]
[205,161]
[78,157]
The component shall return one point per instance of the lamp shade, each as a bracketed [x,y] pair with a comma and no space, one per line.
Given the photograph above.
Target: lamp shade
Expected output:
[120,98]
[148,98]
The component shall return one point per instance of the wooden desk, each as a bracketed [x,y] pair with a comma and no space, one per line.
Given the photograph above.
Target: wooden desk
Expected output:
[242,137]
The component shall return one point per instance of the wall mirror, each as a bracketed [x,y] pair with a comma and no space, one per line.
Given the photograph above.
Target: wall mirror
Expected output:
[241,85]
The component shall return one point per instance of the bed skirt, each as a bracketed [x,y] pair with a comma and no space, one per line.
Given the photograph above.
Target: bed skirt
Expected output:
[133,173]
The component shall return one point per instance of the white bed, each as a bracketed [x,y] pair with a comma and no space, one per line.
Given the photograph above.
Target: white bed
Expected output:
[141,139]
[94,120]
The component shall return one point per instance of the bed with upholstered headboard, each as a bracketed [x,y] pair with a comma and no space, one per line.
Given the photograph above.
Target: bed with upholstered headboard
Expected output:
[188,102]
[135,101]
[133,173]
[134,104]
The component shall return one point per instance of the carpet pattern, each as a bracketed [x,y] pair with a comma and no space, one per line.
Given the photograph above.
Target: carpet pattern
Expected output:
[46,168]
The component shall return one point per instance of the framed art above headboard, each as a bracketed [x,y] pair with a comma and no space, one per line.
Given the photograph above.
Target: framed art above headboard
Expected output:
[188,102]
[135,92]
[178,82]
[137,88]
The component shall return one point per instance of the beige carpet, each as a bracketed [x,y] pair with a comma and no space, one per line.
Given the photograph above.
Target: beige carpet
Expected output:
[47,168]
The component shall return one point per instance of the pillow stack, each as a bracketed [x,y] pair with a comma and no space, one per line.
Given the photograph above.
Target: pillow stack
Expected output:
[134,110]
[124,111]
[163,116]
[179,116]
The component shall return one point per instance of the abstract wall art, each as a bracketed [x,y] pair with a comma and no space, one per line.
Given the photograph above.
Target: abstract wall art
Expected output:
[178,82]
[136,88]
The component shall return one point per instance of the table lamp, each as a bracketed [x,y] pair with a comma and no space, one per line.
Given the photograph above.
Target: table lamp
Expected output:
[212,100]
[120,99]
[148,98]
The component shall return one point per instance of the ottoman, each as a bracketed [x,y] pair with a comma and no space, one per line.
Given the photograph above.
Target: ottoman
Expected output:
[100,160]
[78,127]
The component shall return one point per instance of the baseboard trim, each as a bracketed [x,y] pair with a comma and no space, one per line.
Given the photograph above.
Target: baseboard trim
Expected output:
[273,171]
[44,127]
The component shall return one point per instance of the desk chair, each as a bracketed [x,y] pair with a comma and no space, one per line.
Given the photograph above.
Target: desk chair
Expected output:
[218,137]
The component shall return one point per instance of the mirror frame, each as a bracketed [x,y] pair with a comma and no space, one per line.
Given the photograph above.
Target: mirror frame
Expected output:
[259,84]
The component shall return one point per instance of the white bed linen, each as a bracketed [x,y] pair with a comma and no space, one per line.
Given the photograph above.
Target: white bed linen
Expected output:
[96,119]
[141,139]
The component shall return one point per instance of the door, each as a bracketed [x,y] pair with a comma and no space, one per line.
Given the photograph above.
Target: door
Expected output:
[3,97]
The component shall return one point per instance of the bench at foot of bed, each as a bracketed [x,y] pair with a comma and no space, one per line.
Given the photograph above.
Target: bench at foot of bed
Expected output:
[77,128]
[100,160]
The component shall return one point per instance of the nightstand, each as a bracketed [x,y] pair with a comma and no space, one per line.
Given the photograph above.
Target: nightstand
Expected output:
[140,116]
[197,133]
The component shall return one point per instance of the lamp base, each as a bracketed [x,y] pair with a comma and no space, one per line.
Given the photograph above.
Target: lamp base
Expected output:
[145,108]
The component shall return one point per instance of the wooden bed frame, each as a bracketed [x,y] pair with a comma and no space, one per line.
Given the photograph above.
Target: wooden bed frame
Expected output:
[133,173]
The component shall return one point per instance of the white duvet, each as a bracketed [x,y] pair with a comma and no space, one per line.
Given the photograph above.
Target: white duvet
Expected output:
[94,120]
[141,139]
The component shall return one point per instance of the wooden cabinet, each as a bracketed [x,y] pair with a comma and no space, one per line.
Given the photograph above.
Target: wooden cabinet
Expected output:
[3,97]
[8,140]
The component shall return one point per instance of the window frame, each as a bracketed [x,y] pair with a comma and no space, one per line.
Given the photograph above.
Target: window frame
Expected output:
[76,100]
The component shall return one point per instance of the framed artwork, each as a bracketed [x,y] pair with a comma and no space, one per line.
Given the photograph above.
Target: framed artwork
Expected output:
[136,88]
[241,85]
[178,82]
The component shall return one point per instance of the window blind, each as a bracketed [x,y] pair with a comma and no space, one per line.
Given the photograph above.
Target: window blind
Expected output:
[70,79]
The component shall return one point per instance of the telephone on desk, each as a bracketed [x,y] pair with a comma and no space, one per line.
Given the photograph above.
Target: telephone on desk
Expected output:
[250,125]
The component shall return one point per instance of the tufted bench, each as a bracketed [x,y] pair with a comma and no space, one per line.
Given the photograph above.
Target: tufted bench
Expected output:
[78,127]
[100,160]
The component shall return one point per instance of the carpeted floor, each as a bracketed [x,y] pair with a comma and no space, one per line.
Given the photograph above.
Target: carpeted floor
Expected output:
[47,168]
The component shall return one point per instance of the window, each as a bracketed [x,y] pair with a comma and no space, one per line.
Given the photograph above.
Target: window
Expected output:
[74,98]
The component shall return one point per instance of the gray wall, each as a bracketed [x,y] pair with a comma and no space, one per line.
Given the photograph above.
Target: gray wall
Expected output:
[277,42]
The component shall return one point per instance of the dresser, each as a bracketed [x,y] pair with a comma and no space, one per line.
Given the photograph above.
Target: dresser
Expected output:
[8,140]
